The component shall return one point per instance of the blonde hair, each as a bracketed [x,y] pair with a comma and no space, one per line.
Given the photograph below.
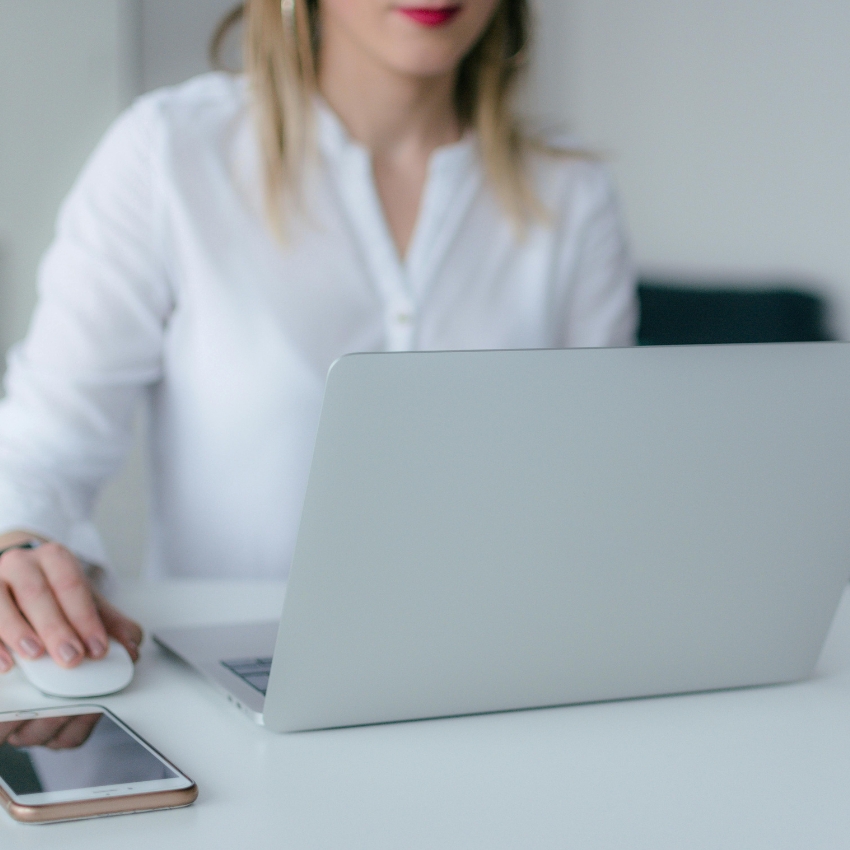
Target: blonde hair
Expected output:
[281,50]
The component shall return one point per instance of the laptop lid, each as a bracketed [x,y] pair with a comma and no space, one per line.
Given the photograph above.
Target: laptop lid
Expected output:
[506,529]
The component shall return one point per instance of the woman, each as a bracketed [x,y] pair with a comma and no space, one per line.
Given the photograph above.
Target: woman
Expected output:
[364,187]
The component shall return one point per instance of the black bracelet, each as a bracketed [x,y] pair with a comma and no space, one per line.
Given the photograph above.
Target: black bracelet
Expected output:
[28,544]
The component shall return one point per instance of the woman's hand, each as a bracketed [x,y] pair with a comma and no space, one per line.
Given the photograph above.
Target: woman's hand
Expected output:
[48,604]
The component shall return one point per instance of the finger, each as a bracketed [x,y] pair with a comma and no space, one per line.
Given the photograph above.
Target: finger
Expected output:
[74,733]
[127,632]
[15,631]
[35,599]
[35,733]
[9,728]
[6,660]
[71,589]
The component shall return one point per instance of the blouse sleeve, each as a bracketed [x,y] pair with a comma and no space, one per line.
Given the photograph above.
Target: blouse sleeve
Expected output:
[602,309]
[94,344]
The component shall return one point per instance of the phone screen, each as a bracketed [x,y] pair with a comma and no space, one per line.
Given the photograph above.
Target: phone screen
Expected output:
[71,752]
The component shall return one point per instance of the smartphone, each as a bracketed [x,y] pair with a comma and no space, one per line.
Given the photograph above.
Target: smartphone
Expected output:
[81,761]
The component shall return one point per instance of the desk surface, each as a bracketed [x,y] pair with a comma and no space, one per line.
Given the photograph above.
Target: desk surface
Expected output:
[766,767]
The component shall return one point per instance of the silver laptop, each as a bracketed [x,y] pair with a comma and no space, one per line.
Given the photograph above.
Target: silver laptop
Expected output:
[508,529]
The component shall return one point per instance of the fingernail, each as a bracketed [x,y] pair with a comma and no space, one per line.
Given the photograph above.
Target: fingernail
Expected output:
[30,647]
[67,652]
[96,648]
[5,664]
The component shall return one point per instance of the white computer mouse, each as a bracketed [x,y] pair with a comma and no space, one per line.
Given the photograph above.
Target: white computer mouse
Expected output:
[90,679]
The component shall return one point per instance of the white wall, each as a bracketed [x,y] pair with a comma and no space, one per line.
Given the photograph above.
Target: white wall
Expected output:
[174,38]
[727,123]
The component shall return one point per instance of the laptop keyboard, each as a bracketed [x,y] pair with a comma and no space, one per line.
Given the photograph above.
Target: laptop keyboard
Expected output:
[254,671]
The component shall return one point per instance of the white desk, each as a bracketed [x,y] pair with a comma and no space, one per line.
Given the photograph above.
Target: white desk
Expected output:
[748,769]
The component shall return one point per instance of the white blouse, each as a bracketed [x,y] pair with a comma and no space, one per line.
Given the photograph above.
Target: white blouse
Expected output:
[164,284]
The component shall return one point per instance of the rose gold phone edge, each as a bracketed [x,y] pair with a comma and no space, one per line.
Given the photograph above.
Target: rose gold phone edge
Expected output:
[175,798]
[103,807]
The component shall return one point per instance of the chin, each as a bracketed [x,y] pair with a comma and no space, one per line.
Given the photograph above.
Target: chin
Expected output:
[426,62]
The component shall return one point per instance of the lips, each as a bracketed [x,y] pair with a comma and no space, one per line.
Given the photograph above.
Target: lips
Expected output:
[430,17]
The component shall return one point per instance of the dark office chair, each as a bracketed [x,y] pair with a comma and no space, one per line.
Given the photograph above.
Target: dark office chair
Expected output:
[674,314]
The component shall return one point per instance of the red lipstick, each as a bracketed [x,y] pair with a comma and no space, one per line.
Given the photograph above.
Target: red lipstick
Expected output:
[430,17]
